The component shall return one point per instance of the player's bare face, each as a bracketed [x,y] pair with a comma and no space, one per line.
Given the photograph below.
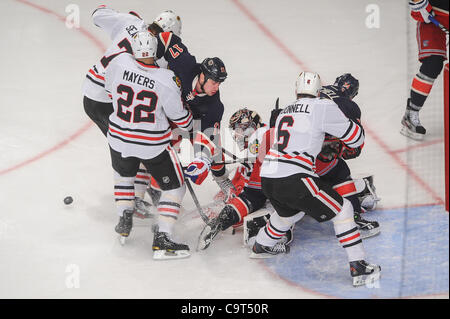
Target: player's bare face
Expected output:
[211,87]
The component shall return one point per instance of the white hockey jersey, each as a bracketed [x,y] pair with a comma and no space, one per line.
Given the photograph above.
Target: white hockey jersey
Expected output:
[120,28]
[299,134]
[144,99]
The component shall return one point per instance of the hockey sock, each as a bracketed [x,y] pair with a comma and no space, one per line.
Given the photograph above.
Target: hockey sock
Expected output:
[169,208]
[347,232]
[349,190]
[141,182]
[424,80]
[276,228]
[123,193]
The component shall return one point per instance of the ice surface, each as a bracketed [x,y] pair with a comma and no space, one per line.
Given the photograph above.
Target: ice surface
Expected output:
[49,149]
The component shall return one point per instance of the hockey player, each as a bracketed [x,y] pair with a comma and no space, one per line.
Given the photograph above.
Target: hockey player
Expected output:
[145,97]
[292,186]
[330,163]
[120,27]
[200,84]
[252,135]
[432,46]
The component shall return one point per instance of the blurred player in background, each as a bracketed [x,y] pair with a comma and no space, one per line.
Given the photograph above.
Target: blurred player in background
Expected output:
[432,45]
[145,97]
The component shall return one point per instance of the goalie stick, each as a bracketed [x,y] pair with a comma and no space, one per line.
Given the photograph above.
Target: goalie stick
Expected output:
[196,202]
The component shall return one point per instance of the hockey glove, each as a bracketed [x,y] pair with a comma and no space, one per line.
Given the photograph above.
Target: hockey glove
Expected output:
[350,153]
[421,10]
[273,116]
[198,170]
[331,149]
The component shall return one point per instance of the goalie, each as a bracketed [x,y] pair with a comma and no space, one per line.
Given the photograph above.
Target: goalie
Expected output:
[252,135]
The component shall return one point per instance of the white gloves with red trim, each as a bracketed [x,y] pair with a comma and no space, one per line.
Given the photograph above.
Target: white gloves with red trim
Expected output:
[198,170]
[421,10]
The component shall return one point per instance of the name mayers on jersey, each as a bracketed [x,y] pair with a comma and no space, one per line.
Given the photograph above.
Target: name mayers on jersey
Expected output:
[299,134]
[140,79]
[145,98]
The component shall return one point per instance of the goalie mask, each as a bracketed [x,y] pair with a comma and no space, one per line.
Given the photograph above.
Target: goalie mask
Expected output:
[243,124]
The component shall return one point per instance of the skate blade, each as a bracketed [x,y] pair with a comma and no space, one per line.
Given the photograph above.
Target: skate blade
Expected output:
[415,136]
[202,243]
[369,233]
[165,254]
[367,279]
[122,239]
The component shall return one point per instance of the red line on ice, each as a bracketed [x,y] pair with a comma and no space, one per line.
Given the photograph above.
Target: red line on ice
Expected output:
[86,126]
[421,145]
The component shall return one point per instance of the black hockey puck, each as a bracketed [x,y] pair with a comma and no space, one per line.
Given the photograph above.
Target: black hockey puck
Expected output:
[68,200]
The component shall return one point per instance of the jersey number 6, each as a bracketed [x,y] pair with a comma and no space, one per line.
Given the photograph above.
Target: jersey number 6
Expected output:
[140,112]
[289,120]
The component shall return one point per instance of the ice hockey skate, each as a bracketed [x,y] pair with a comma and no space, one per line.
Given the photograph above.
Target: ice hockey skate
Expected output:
[225,219]
[252,226]
[367,228]
[368,198]
[260,251]
[142,209]
[364,273]
[411,125]
[123,228]
[164,248]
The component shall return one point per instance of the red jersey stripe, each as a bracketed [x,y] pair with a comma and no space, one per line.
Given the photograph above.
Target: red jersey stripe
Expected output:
[141,136]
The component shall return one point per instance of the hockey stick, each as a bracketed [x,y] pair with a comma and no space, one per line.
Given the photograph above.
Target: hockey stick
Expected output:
[196,202]
[436,23]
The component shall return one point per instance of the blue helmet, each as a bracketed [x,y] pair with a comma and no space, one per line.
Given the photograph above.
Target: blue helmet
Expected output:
[213,68]
[347,85]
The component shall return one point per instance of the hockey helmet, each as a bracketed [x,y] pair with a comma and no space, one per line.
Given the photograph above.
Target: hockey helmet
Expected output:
[347,84]
[169,22]
[243,124]
[214,69]
[144,45]
[308,83]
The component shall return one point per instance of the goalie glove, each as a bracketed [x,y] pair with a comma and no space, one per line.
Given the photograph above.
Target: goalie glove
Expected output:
[198,170]
[421,10]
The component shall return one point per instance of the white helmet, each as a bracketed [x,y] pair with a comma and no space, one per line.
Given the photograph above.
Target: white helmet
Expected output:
[308,83]
[144,45]
[169,22]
